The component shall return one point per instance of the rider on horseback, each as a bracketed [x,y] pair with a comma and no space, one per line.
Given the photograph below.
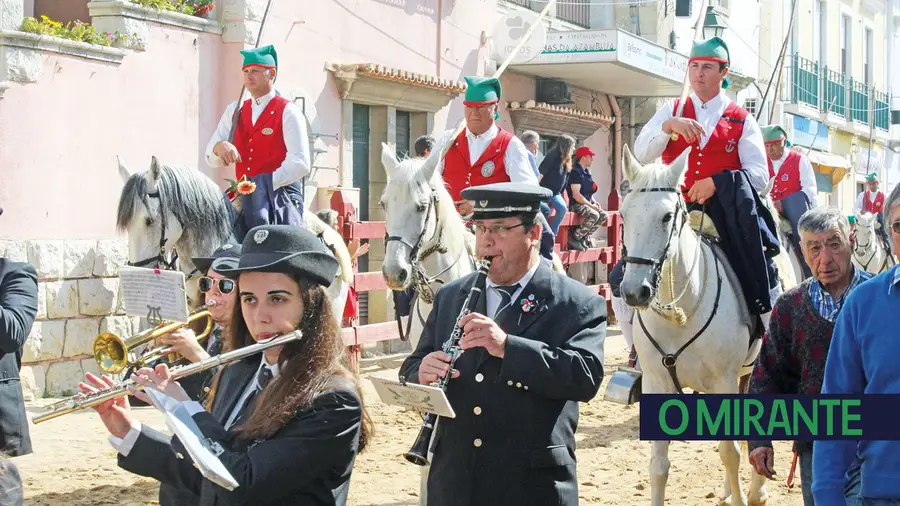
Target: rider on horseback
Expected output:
[794,191]
[872,202]
[483,153]
[268,145]
[727,170]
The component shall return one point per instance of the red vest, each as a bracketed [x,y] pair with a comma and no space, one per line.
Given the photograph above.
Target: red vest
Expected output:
[788,181]
[261,146]
[873,207]
[720,152]
[459,174]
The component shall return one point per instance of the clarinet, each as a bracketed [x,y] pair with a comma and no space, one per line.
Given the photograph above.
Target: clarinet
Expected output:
[418,454]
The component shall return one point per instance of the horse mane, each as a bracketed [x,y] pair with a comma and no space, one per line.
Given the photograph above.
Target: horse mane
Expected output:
[408,181]
[191,196]
[653,175]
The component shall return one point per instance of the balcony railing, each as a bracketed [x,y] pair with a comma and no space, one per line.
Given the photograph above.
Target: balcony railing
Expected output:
[820,87]
[577,12]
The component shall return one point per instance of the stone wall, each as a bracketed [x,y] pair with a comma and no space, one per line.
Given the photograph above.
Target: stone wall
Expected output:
[78,297]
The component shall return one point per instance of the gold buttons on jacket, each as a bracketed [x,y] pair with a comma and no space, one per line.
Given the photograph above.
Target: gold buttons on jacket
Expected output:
[477,443]
[477,410]
[479,377]
[519,385]
[510,383]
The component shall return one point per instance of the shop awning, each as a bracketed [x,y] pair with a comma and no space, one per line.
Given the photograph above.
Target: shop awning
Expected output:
[609,61]
[828,163]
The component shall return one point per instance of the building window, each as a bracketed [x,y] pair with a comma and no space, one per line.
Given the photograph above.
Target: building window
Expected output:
[752,105]
[846,33]
[867,56]
[575,11]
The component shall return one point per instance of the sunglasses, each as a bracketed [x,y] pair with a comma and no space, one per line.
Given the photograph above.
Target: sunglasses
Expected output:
[225,285]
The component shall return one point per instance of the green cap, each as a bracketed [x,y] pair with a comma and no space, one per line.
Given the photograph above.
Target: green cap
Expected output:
[872,177]
[851,219]
[482,91]
[262,56]
[712,49]
[774,133]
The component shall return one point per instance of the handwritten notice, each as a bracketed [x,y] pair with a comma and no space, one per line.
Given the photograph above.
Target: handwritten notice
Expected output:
[157,295]
[412,395]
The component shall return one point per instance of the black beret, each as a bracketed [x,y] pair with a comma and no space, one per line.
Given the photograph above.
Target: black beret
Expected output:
[287,249]
[502,200]
[230,250]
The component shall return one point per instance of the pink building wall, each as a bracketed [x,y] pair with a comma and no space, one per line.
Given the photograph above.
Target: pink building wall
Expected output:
[59,137]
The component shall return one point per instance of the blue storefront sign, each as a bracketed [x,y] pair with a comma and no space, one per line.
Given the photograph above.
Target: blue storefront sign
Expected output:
[810,133]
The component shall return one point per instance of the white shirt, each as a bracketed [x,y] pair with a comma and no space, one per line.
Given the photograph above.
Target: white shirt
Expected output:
[494,297]
[296,164]
[515,159]
[652,141]
[124,445]
[858,206]
[807,176]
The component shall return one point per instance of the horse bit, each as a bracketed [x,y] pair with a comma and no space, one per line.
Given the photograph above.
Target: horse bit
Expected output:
[669,360]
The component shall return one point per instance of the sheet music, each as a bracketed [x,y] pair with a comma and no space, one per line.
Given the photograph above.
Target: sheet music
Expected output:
[412,395]
[154,294]
[200,450]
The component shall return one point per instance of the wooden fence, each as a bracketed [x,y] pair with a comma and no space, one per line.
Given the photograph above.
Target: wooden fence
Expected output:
[351,228]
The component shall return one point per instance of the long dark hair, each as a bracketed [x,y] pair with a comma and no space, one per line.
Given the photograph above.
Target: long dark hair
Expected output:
[306,366]
[566,147]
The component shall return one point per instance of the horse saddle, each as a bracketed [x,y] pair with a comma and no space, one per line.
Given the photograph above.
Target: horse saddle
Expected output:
[695,218]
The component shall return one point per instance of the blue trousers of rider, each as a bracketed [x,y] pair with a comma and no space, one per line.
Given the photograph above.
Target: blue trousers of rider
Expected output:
[547,238]
[794,206]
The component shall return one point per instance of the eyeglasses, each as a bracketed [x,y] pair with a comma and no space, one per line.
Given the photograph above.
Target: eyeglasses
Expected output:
[498,230]
[895,226]
[225,285]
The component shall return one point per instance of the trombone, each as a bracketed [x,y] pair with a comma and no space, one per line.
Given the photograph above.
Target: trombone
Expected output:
[115,354]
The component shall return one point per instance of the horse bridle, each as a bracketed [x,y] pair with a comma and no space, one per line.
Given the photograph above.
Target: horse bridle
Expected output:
[160,258]
[669,360]
[420,279]
[657,263]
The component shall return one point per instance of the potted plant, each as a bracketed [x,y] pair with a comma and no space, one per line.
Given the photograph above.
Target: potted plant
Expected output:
[203,7]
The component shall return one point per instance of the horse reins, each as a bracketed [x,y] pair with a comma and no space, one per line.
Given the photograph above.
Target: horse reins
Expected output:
[669,360]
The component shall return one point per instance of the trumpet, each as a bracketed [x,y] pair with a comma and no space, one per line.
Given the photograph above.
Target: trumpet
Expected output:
[418,454]
[114,354]
[82,401]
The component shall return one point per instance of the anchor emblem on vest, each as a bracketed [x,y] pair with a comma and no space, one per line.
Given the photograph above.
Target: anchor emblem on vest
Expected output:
[487,169]
[729,147]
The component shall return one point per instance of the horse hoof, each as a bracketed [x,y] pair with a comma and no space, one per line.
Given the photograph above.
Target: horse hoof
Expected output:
[760,501]
[731,500]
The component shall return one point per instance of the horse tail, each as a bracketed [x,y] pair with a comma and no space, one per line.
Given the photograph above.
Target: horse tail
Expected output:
[333,239]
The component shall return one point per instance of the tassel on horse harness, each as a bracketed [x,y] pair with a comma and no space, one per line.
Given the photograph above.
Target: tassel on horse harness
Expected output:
[669,360]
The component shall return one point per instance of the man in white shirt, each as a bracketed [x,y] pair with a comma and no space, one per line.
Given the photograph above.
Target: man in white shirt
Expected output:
[268,143]
[872,201]
[794,189]
[484,153]
[726,143]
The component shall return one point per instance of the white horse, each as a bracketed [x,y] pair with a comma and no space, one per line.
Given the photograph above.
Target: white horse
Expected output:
[173,213]
[427,244]
[869,253]
[674,280]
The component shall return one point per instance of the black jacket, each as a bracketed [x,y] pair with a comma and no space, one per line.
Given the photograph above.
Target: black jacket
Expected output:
[308,462]
[513,439]
[18,308]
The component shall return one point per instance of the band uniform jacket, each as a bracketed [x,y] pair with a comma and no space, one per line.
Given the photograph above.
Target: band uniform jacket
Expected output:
[18,308]
[307,462]
[512,441]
